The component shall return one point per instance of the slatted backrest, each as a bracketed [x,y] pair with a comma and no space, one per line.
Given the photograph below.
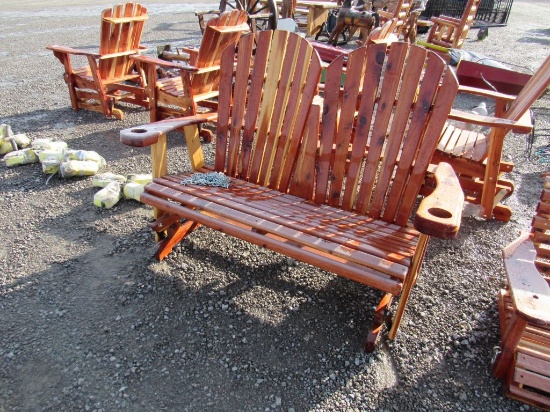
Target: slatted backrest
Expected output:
[400,11]
[466,22]
[380,130]
[536,85]
[219,33]
[121,30]
[263,106]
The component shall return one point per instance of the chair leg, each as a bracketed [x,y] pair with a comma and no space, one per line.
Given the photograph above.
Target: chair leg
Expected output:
[509,342]
[492,172]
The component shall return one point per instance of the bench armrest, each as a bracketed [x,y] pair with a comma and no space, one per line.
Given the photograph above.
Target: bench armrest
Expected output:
[147,135]
[529,291]
[439,214]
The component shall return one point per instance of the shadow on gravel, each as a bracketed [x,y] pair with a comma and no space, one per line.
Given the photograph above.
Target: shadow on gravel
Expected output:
[541,36]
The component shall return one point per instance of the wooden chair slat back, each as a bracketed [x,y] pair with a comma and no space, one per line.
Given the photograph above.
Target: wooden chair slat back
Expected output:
[536,85]
[466,22]
[213,42]
[263,107]
[454,35]
[120,36]
[387,122]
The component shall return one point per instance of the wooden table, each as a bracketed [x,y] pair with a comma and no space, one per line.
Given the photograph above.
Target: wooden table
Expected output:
[317,13]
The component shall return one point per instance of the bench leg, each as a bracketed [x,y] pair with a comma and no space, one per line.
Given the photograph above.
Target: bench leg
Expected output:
[175,234]
[410,281]
[381,317]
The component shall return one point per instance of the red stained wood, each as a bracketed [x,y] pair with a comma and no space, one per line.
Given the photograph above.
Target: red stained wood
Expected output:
[107,76]
[316,185]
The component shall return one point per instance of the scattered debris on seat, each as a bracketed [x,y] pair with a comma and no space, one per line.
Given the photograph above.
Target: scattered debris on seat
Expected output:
[208,179]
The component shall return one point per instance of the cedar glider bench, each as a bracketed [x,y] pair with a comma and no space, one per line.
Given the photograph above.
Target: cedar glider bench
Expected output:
[331,182]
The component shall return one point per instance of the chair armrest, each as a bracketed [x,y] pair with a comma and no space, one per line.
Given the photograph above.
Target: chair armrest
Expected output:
[243,27]
[190,50]
[202,13]
[522,126]
[445,21]
[68,50]
[529,291]
[171,65]
[439,214]
[508,98]
[119,54]
[147,135]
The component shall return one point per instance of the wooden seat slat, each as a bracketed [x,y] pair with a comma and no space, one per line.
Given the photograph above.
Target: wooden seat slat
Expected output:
[464,138]
[327,212]
[341,266]
[197,198]
[389,241]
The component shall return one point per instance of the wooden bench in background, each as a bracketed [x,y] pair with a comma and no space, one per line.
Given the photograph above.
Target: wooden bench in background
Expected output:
[338,193]
[524,308]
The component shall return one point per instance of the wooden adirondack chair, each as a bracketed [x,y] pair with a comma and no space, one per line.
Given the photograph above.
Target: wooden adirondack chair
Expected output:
[110,75]
[450,32]
[292,187]
[195,84]
[399,11]
[477,158]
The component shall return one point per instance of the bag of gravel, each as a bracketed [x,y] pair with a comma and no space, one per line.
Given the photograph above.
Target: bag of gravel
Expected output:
[143,178]
[74,168]
[47,144]
[70,154]
[20,157]
[103,179]
[108,196]
[133,190]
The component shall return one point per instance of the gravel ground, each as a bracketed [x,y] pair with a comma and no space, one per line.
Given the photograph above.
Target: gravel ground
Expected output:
[89,321]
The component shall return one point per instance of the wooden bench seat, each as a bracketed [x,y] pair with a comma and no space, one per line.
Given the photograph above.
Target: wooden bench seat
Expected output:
[319,184]
[351,243]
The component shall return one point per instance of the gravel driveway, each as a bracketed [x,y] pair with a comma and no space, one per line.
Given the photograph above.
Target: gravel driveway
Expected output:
[89,321]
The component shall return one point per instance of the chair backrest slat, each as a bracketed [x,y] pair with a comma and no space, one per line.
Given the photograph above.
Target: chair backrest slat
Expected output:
[380,124]
[214,41]
[270,100]
[394,133]
[121,30]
